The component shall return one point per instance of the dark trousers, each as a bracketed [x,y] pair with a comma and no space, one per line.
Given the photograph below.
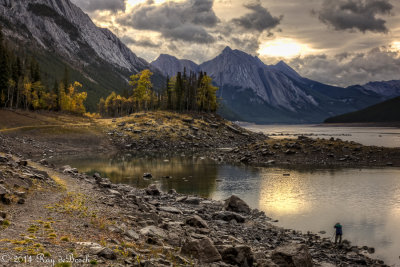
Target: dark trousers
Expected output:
[338,236]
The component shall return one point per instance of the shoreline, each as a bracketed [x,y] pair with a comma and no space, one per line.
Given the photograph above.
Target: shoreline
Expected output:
[193,230]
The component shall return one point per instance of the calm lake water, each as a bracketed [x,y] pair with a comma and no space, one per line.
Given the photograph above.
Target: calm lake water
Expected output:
[365,201]
[375,136]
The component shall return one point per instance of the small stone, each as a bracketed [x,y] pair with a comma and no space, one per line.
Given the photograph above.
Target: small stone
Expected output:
[196,221]
[22,163]
[228,216]
[21,201]
[132,234]
[170,209]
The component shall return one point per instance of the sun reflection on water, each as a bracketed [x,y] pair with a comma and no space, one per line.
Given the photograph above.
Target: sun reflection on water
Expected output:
[282,194]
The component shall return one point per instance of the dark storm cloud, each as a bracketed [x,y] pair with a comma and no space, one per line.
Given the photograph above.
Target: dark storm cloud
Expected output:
[141,42]
[94,5]
[355,14]
[175,20]
[258,19]
[350,68]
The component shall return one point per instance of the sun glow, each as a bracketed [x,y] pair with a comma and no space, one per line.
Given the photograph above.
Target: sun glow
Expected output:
[132,3]
[286,48]
[396,46]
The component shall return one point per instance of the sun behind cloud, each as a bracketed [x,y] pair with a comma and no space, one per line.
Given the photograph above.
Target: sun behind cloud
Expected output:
[283,48]
[132,3]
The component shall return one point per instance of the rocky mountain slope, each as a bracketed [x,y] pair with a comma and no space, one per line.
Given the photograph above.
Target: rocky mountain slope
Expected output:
[57,32]
[385,88]
[170,65]
[253,91]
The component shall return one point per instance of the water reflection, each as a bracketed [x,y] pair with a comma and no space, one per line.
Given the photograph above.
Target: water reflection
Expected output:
[186,174]
[365,201]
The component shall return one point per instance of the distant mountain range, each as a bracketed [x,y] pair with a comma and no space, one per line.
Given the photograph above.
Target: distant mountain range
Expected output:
[387,111]
[59,33]
[253,91]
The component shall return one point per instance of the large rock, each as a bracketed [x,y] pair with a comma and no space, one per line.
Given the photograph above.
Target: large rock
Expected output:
[228,216]
[293,255]
[239,255]
[153,231]
[235,204]
[196,221]
[152,190]
[201,249]
[3,191]
[107,254]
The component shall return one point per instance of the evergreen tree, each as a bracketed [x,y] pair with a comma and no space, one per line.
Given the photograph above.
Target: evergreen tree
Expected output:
[4,70]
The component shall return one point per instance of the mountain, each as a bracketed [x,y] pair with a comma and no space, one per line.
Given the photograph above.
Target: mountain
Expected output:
[253,91]
[58,33]
[170,65]
[387,111]
[385,88]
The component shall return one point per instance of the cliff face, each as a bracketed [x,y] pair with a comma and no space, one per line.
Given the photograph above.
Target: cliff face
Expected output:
[60,26]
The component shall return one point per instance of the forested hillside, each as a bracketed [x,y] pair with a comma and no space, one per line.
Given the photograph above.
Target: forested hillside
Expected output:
[388,111]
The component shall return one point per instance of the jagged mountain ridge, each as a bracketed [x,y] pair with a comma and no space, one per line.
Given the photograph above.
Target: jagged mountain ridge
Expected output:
[253,91]
[170,65]
[58,34]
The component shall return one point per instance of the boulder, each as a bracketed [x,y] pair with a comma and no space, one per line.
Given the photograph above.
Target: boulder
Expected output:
[239,255]
[153,231]
[196,221]
[152,190]
[236,204]
[201,249]
[292,255]
[228,216]
[107,254]
[147,175]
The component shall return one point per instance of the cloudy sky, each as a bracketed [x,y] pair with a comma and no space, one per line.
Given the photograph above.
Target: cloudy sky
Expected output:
[340,42]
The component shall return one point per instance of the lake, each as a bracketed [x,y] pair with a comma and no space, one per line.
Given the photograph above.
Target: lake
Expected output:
[370,136]
[365,201]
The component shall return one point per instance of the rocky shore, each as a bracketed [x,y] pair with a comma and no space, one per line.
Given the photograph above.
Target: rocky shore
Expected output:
[55,216]
[49,213]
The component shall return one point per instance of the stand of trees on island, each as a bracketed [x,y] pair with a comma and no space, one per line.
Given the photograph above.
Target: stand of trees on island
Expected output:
[21,86]
[193,92]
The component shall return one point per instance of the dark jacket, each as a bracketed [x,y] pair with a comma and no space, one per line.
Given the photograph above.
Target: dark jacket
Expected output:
[338,228]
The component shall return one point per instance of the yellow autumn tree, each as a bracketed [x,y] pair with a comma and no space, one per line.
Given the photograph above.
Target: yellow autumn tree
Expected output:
[206,95]
[72,100]
[142,87]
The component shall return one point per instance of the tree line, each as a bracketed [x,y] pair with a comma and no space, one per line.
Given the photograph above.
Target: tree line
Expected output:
[21,85]
[183,92]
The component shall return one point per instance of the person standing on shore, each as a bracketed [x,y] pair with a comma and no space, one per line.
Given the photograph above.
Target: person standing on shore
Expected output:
[339,232]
